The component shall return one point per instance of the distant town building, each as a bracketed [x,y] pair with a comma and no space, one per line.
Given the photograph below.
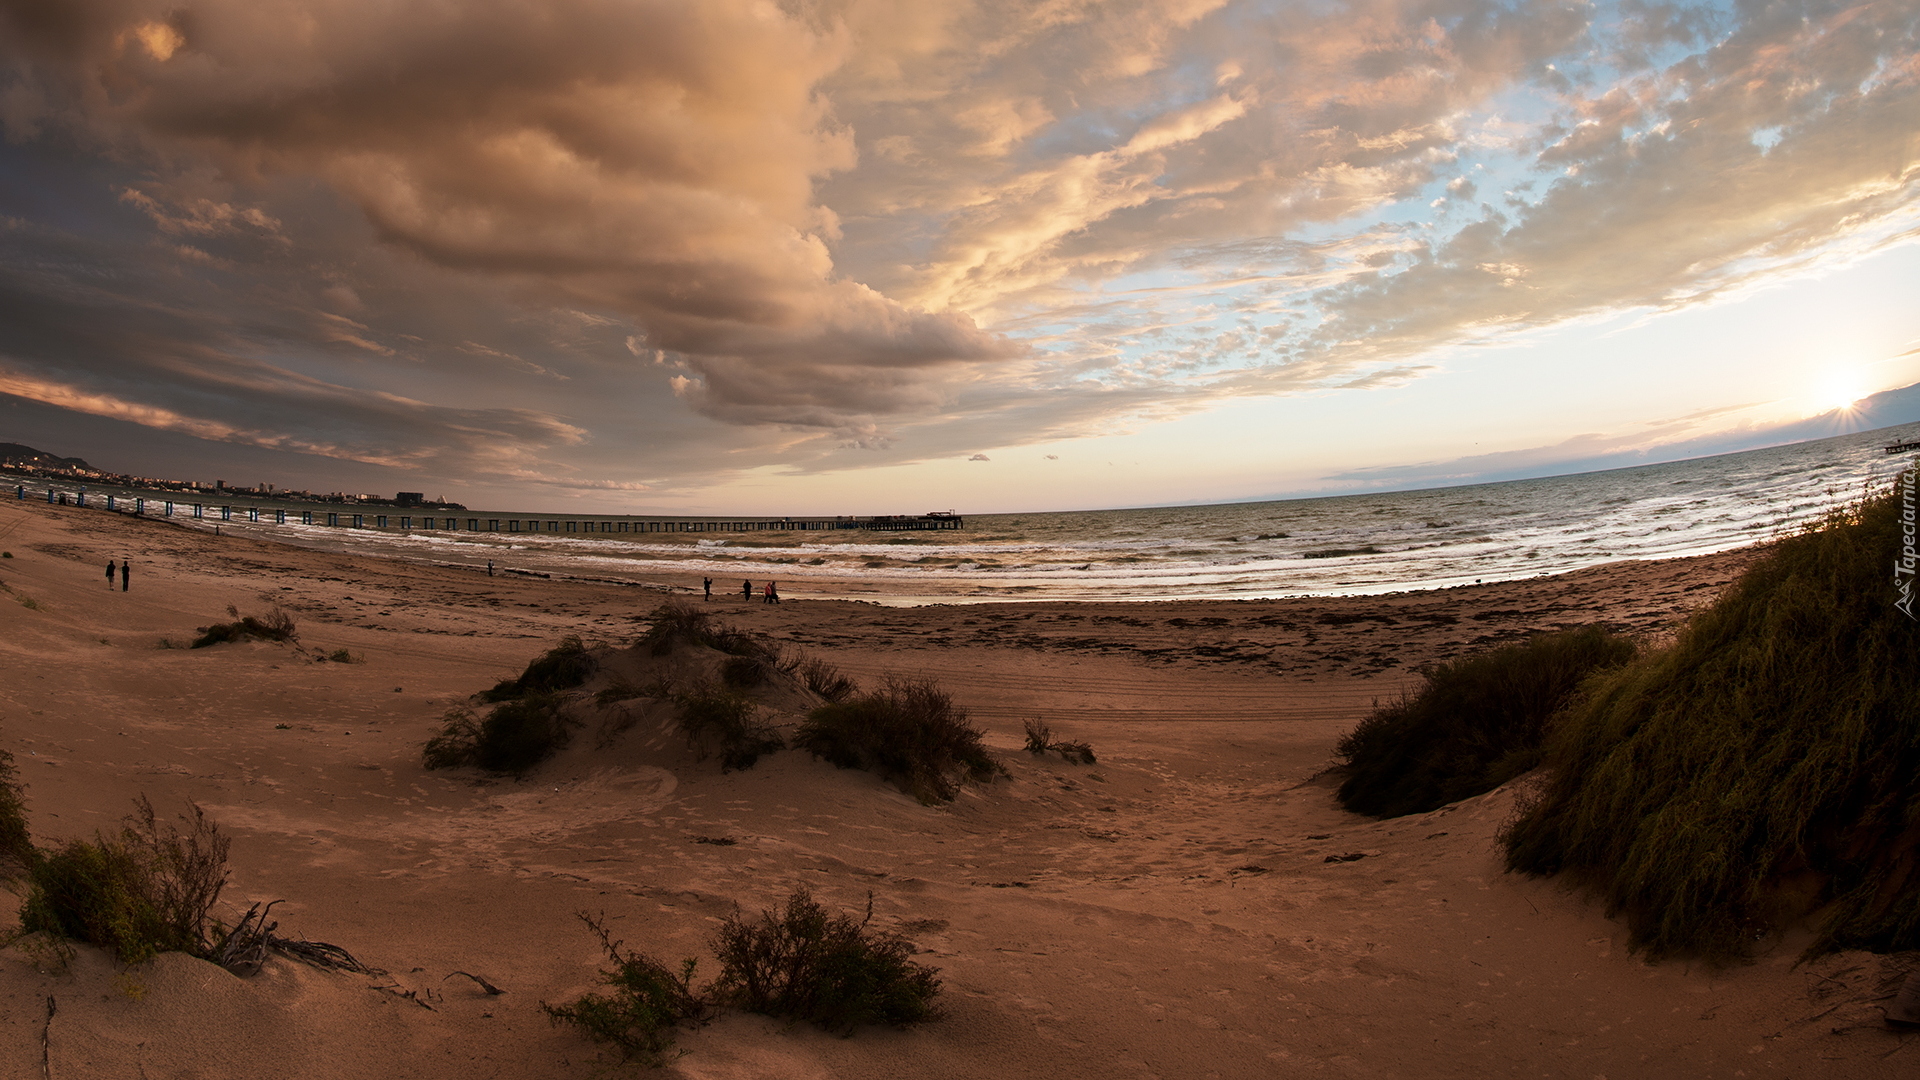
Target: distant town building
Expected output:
[410,498]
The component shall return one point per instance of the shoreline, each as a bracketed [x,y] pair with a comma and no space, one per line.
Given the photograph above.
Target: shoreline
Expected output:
[967,588]
[1173,909]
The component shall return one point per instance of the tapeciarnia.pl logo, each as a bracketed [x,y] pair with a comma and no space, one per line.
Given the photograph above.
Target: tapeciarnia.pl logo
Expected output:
[1903,567]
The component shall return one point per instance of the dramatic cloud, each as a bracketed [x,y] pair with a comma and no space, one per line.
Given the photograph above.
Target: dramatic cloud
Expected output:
[533,240]
[650,159]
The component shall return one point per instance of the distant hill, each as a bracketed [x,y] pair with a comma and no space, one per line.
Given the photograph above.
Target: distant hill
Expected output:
[13,453]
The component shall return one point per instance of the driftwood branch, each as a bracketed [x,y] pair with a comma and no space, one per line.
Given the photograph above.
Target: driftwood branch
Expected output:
[492,990]
[408,995]
[245,948]
[46,1041]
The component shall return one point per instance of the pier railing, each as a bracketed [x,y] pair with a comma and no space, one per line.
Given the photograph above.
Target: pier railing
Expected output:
[531,524]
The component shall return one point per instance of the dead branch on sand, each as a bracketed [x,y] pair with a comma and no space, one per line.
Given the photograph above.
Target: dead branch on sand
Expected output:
[246,946]
[46,1041]
[492,990]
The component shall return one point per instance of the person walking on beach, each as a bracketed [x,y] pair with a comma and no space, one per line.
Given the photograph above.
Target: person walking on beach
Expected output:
[126,571]
[109,573]
[489,567]
[773,593]
[746,591]
[707,584]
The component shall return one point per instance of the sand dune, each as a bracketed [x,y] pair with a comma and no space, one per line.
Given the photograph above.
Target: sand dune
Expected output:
[1168,912]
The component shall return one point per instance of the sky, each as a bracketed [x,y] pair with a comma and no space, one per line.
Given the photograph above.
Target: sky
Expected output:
[853,256]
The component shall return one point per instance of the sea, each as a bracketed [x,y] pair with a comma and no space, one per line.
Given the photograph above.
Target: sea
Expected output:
[1339,545]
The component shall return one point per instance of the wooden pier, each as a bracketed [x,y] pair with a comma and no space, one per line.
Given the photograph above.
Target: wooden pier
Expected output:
[529,524]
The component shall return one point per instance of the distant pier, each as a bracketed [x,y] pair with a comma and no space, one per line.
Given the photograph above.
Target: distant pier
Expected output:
[1903,447]
[531,524]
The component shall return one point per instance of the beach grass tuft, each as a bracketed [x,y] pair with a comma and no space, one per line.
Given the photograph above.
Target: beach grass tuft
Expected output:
[679,623]
[719,721]
[909,731]
[646,1002]
[1763,768]
[562,667]
[1473,725]
[802,963]
[825,679]
[276,625]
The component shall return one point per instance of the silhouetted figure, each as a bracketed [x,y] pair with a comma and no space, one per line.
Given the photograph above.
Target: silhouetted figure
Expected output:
[126,571]
[707,583]
[746,591]
[109,573]
[489,567]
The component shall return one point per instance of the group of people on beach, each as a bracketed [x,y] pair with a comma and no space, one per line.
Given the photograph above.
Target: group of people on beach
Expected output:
[126,573]
[770,592]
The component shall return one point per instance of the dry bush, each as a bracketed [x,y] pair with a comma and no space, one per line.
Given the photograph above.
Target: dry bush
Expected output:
[17,854]
[745,671]
[802,963]
[276,625]
[720,721]
[1040,740]
[514,737]
[909,731]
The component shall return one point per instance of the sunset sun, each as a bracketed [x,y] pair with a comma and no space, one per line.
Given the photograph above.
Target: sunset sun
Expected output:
[1837,390]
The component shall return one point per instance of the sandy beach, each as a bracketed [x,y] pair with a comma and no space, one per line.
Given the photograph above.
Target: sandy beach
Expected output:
[1171,911]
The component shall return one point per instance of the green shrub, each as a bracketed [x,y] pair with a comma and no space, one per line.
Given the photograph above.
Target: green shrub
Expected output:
[829,970]
[17,854]
[515,737]
[276,625]
[908,731]
[146,891]
[1764,767]
[563,667]
[648,1001]
[718,721]
[1475,724]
